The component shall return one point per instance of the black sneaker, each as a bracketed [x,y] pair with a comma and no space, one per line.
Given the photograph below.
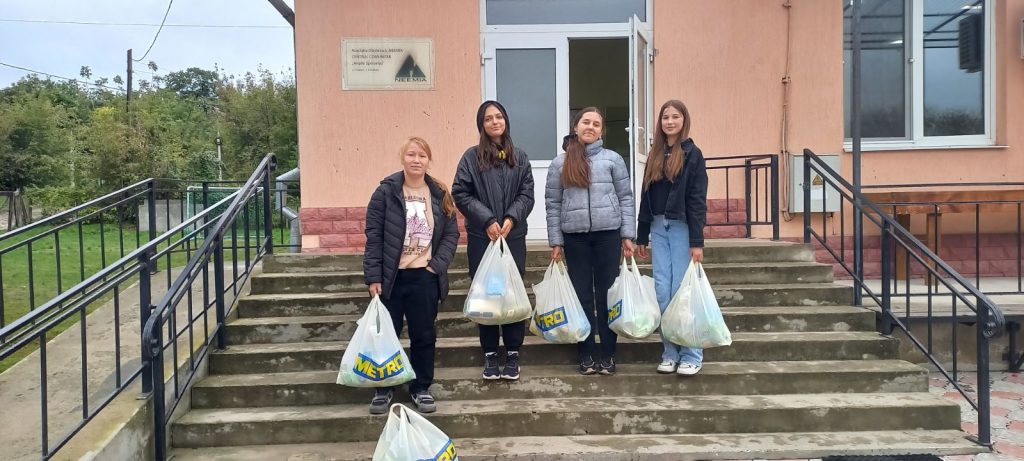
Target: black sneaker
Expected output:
[607,367]
[511,370]
[491,371]
[424,402]
[381,401]
[587,366]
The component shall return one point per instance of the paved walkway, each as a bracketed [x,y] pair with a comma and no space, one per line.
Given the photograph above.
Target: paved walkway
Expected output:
[1007,412]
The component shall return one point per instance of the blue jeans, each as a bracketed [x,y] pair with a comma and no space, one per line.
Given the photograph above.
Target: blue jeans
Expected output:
[670,252]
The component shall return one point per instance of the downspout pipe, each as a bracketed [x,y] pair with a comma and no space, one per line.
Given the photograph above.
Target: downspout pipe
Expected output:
[285,10]
[280,200]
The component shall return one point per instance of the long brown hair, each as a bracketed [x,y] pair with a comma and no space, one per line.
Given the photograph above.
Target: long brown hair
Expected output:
[487,150]
[660,165]
[447,202]
[576,168]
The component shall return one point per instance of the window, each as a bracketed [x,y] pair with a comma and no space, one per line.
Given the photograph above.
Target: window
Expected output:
[925,72]
[507,12]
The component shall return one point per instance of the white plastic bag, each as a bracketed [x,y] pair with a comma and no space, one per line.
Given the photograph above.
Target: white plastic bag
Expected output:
[374,357]
[693,318]
[497,295]
[633,310]
[408,436]
[558,316]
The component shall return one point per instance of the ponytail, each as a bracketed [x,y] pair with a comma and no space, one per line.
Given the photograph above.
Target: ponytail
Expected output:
[447,202]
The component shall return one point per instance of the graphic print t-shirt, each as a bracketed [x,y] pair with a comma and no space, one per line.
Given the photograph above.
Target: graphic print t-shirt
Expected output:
[419,228]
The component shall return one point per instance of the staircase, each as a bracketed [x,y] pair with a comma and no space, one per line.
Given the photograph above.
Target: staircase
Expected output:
[806,376]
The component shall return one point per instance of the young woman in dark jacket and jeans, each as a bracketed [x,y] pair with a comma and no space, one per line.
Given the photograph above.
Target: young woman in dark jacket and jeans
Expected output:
[673,211]
[411,235]
[493,189]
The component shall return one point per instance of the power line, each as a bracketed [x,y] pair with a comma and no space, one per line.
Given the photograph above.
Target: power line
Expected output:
[140,24]
[60,77]
[162,22]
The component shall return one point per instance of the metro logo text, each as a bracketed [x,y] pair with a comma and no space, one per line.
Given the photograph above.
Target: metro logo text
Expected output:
[374,371]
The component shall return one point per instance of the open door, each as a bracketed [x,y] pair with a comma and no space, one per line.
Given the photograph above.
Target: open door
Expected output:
[640,126]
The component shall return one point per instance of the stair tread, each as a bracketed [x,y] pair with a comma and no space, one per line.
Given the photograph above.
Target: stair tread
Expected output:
[539,406]
[540,372]
[443,343]
[679,446]
[446,315]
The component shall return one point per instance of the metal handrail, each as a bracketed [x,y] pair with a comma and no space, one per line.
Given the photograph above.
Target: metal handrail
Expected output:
[758,211]
[71,211]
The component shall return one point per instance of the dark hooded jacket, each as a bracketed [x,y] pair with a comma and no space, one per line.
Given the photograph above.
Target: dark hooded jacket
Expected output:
[486,196]
[385,234]
[687,198]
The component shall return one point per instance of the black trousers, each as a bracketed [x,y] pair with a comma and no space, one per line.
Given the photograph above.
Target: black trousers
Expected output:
[415,298]
[512,333]
[592,259]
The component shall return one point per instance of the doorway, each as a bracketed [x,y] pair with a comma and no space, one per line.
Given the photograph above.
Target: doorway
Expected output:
[599,77]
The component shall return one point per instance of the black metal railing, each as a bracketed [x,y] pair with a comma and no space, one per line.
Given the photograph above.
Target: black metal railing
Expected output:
[956,290]
[760,190]
[180,334]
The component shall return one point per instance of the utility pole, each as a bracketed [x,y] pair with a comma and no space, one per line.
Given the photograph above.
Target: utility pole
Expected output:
[128,97]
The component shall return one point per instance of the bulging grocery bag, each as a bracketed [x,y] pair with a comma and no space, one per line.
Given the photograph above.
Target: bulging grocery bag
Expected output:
[374,357]
[558,316]
[693,318]
[497,295]
[633,310]
[408,436]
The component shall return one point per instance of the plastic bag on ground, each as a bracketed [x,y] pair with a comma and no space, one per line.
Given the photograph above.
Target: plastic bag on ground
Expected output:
[693,318]
[558,316]
[633,310]
[497,295]
[407,436]
[374,357]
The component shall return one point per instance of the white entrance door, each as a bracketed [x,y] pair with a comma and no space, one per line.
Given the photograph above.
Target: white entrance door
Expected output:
[640,126]
[528,75]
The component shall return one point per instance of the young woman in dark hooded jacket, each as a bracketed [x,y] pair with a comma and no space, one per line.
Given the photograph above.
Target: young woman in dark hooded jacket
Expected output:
[493,189]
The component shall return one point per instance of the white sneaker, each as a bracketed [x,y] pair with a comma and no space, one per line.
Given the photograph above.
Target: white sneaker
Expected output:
[666,367]
[687,369]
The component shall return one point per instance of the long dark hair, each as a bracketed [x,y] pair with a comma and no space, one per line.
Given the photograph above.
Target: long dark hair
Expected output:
[666,161]
[488,150]
[576,168]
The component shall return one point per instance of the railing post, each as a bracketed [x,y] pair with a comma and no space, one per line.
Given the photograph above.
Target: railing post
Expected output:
[145,309]
[775,197]
[159,400]
[887,250]
[807,195]
[267,224]
[984,387]
[218,284]
[151,208]
[746,194]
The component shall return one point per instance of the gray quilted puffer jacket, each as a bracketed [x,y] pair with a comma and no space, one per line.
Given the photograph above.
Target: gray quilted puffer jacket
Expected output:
[606,205]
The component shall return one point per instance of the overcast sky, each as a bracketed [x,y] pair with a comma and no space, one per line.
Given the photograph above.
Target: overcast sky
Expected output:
[62,49]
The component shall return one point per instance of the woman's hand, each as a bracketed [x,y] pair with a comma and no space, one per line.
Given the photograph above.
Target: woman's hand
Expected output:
[493,231]
[556,253]
[627,248]
[506,228]
[697,254]
[641,251]
[375,289]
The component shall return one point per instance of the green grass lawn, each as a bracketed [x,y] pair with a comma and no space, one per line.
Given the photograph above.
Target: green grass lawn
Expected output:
[79,258]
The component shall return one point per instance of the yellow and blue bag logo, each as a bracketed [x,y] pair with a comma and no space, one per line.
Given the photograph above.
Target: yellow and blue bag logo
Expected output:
[446,454]
[615,312]
[551,320]
[369,369]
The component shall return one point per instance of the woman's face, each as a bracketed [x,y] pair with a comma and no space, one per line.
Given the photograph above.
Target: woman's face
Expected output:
[494,122]
[415,160]
[590,127]
[672,122]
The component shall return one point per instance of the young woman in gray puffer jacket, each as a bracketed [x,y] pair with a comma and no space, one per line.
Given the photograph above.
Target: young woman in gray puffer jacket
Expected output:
[590,216]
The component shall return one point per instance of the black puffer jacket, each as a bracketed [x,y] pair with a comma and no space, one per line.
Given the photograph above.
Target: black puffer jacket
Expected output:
[687,198]
[385,233]
[488,196]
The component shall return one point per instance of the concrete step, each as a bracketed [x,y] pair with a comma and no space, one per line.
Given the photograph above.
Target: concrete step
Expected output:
[458,279]
[539,254]
[453,324]
[579,416]
[317,304]
[466,352]
[663,447]
[553,381]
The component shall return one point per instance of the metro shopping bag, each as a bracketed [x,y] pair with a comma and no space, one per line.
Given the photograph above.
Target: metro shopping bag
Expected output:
[693,318]
[558,316]
[407,436]
[374,357]
[633,310]
[497,295]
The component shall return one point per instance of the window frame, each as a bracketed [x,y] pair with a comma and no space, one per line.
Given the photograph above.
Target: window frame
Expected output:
[915,92]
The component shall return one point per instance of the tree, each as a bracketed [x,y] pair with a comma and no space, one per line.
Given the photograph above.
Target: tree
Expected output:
[193,83]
